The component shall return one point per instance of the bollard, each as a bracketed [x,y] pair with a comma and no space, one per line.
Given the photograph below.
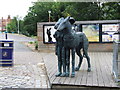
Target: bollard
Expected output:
[6,37]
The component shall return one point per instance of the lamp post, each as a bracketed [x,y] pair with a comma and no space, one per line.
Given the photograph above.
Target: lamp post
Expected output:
[49,14]
[18,27]
[18,21]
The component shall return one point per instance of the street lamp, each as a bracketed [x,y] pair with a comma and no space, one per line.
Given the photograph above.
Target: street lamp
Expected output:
[49,14]
[18,21]
[18,27]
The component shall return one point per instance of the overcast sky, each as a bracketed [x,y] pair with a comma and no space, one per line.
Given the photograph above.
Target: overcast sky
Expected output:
[14,7]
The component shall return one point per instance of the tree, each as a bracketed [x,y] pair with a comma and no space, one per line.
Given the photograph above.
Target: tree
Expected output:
[39,13]
[111,10]
[12,26]
[30,25]
[79,10]
[82,10]
[21,27]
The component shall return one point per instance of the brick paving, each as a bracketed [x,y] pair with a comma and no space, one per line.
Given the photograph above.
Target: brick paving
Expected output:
[27,75]
[28,70]
[22,76]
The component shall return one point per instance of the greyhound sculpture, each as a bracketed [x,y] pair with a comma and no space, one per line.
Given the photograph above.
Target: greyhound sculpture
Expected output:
[73,41]
[59,47]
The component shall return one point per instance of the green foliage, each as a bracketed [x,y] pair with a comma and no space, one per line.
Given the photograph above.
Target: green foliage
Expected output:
[12,26]
[30,25]
[111,10]
[39,13]
[36,45]
[30,42]
[81,11]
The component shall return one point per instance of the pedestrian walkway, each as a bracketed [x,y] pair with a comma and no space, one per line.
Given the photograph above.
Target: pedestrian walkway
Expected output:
[28,70]
[23,76]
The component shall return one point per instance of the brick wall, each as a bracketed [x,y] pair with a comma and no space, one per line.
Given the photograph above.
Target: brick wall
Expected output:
[41,46]
[95,47]
[100,47]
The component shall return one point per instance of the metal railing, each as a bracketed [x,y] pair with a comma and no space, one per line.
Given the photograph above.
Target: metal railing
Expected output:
[116,61]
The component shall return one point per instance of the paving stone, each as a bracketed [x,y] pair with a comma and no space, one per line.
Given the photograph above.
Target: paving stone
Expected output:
[21,78]
[27,70]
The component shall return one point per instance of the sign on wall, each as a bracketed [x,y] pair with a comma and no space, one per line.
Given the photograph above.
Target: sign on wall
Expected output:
[110,32]
[95,32]
[91,31]
[48,32]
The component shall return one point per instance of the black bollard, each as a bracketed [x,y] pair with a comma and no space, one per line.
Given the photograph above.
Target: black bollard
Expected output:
[6,35]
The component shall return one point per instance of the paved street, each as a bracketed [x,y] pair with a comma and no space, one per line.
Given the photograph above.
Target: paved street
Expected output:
[28,70]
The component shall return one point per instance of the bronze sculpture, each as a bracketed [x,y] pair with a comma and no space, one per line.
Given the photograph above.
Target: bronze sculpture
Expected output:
[60,51]
[73,41]
[59,45]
